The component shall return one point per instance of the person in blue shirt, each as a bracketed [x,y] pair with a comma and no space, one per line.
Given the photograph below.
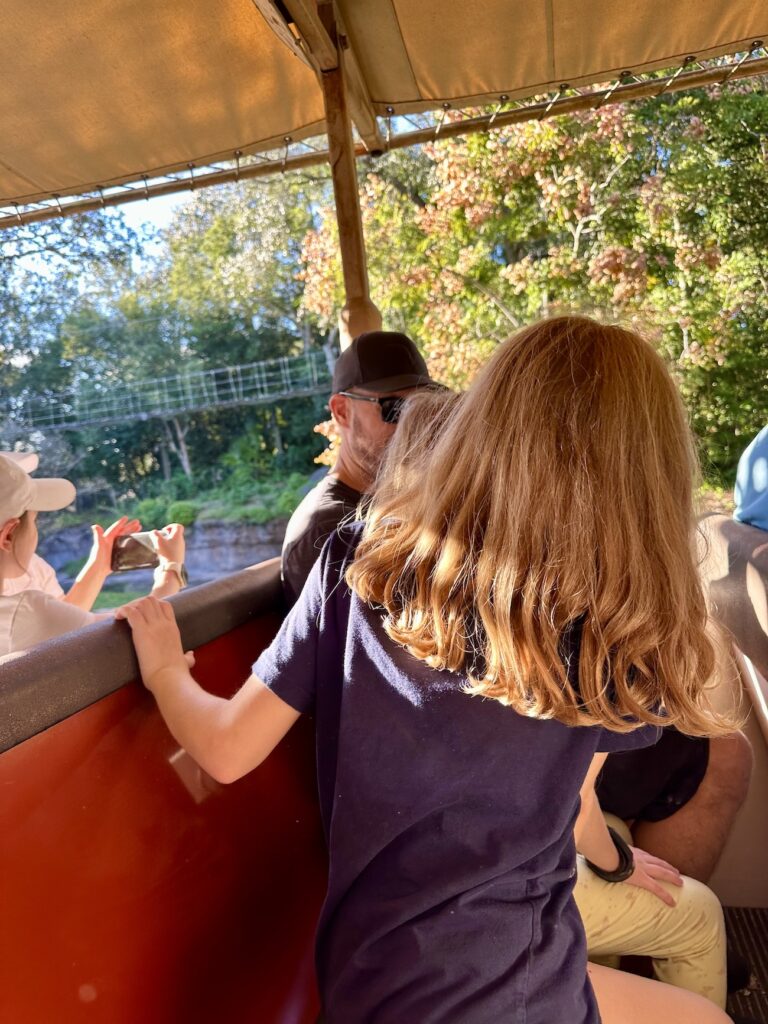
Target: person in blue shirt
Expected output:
[522,602]
[751,491]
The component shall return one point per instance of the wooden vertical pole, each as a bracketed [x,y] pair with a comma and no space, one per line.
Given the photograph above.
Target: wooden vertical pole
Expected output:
[359,313]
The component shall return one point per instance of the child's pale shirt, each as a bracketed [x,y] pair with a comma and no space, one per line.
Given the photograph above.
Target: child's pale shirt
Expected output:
[39,576]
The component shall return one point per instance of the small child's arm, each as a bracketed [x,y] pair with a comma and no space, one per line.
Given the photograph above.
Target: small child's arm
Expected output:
[227,738]
[590,831]
[90,579]
[594,842]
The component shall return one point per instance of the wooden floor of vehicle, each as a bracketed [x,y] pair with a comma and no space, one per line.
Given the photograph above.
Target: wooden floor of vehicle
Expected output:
[748,934]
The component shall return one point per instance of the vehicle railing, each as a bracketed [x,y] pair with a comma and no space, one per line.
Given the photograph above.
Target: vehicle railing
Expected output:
[60,677]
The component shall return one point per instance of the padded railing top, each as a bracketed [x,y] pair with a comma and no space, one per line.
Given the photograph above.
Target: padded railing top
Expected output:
[735,572]
[60,677]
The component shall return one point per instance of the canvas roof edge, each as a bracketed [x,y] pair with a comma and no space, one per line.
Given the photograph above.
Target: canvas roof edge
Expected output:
[281,25]
[617,93]
[745,44]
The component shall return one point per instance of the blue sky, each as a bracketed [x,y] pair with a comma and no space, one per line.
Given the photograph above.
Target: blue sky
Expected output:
[155,212]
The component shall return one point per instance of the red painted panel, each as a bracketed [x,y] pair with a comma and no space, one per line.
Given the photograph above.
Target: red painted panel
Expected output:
[135,890]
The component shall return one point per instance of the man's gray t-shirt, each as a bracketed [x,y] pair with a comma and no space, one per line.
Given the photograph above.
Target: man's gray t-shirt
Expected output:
[449,822]
[327,505]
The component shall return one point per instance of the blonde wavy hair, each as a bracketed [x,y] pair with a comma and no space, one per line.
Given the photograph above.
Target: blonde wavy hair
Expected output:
[556,493]
[422,416]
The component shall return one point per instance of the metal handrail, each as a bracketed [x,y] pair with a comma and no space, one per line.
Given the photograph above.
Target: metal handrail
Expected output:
[110,401]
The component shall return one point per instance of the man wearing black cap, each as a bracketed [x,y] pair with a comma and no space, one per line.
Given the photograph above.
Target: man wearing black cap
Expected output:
[370,380]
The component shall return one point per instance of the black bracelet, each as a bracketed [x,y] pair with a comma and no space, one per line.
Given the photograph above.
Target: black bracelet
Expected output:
[626,860]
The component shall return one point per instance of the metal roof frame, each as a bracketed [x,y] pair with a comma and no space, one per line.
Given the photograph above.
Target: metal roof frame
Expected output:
[298,155]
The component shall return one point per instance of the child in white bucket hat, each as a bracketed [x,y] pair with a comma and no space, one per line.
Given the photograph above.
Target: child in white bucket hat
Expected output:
[39,575]
[31,615]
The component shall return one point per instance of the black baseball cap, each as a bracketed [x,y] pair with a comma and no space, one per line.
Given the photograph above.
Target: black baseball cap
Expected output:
[380,361]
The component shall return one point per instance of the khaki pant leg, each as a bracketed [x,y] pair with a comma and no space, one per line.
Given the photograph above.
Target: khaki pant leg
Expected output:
[686,942]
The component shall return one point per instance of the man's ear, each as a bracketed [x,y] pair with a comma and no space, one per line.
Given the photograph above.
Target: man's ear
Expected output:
[6,534]
[339,406]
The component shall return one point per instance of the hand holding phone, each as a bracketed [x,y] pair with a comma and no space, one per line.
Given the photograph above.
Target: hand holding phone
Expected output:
[135,551]
[169,543]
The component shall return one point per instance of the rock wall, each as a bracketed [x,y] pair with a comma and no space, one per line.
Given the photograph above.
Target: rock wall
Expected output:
[216,547]
[65,546]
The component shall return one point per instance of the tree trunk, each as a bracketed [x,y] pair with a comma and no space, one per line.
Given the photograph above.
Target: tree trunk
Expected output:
[306,335]
[177,444]
[277,437]
[328,349]
[165,462]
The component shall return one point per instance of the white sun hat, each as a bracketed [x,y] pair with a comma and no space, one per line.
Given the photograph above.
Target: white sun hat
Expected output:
[20,493]
[27,460]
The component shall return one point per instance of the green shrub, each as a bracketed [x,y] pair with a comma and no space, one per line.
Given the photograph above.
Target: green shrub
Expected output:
[713,498]
[184,512]
[286,502]
[256,514]
[244,514]
[115,598]
[153,513]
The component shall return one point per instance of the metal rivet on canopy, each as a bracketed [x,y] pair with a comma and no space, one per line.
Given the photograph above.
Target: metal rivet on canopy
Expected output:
[238,154]
[503,100]
[560,90]
[690,59]
[445,108]
[621,80]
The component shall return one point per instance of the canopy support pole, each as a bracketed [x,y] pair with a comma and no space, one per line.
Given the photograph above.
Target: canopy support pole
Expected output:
[359,313]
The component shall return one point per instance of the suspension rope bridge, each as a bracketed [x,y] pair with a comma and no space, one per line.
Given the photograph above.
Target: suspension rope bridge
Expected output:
[108,402]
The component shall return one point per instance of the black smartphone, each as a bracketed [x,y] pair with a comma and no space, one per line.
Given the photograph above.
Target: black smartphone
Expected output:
[134,551]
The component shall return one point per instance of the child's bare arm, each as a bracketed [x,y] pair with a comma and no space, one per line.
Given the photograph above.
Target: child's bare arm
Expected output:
[590,831]
[594,842]
[227,738]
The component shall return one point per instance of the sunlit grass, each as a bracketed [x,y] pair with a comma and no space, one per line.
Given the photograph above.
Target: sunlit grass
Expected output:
[115,598]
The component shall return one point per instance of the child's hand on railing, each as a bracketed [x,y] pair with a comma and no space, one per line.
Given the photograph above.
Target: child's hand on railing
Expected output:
[156,638]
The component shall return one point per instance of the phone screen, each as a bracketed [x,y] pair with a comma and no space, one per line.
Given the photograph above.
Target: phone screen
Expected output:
[134,551]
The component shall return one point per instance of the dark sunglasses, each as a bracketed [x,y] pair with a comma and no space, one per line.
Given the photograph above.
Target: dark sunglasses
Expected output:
[390,405]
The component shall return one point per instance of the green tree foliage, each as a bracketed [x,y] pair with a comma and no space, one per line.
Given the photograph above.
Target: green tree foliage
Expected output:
[230,269]
[45,271]
[650,213]
[222,288]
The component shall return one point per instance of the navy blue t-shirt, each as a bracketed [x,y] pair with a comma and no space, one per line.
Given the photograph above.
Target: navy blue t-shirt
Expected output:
[449,822]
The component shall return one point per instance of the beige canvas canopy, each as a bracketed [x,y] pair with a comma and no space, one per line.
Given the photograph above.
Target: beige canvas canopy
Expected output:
[103,92]
[117,100]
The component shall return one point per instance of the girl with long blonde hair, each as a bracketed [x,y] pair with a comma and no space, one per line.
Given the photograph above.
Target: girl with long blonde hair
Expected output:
[521,599]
